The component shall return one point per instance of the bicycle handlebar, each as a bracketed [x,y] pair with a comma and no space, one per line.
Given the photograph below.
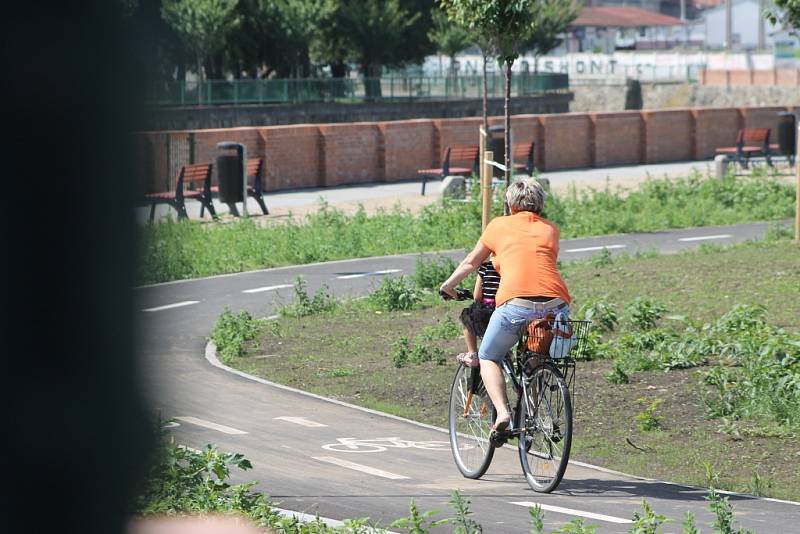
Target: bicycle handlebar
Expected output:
[461,294]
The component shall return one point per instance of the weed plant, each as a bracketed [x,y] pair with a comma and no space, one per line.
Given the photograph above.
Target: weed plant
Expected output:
[304,304]
[232,332]
[187,249]
[430,273]
[648,522]
[647,420]
[395,294]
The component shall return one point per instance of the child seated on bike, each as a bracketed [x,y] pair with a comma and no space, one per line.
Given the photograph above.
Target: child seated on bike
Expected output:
[476,316]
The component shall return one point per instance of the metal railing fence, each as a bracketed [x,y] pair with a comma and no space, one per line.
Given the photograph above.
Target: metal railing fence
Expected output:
[387,88]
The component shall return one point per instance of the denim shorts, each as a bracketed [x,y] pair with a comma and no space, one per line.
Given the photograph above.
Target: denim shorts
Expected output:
[505,327]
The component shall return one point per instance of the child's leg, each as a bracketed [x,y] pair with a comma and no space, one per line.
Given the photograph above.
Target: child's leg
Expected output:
[471,340]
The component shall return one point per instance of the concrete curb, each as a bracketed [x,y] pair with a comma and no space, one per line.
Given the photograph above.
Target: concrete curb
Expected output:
[211,357]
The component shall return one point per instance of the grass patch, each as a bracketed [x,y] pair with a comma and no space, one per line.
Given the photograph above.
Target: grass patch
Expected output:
[188,249]
[680,433]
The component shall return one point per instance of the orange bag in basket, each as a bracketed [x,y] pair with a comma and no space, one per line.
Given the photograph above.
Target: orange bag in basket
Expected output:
[540,334]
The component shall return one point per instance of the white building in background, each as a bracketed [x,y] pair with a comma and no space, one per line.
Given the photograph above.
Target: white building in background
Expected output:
[746,18]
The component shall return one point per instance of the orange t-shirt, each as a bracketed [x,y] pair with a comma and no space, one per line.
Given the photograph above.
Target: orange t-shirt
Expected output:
[525,250]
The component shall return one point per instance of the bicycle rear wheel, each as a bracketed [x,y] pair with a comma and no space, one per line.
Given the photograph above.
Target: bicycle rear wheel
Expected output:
[470,421]
[546,424]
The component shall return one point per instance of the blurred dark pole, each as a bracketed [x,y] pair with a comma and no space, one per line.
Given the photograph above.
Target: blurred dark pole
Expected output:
[75,436]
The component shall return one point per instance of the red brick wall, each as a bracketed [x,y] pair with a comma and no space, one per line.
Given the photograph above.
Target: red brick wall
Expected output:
[456,132]
[668,135]
[407,147]
[764,77]
[334,154]
[351,153]
[292,156]
[787,77]
[715,128]
[566,141]
[618,138]
[740,77]
[766,117]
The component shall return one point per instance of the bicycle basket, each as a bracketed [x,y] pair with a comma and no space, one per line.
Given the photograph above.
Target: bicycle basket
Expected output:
[556,337]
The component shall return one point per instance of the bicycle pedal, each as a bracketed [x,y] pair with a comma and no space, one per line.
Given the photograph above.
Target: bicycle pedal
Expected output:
[497,439]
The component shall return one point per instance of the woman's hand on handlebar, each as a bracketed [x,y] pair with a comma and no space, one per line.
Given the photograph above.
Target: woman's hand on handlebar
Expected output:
[448,293]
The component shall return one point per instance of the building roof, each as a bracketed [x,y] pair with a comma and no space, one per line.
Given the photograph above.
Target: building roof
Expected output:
[622,17]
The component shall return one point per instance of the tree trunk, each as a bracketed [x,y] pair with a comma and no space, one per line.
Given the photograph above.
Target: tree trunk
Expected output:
[506,102]
[338,72]
[372,84]
[199,80]
[485,98]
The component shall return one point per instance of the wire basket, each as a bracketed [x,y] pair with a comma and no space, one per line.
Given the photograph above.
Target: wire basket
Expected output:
[555,338]
[543,340]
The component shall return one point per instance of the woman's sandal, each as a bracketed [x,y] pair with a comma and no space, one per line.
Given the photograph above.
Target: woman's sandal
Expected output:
[502,425]
[468,359]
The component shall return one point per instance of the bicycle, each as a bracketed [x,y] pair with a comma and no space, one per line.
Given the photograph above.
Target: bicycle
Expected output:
[541,415]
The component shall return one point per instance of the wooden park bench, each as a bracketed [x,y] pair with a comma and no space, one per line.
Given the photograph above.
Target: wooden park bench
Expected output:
[194,182]
[750,142]
[457,160]
[523,157]
[255,185]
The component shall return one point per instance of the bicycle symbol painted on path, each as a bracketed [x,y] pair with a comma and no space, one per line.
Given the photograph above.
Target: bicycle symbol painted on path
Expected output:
[383,444]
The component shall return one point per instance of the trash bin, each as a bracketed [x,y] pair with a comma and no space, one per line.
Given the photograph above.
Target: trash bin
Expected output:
[497,144]
[787,140]
[230,173]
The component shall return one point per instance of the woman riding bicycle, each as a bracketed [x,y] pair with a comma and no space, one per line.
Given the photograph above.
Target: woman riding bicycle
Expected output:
[525,248]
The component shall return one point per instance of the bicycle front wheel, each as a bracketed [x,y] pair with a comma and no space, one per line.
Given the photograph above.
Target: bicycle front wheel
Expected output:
[470,421]
[546,424]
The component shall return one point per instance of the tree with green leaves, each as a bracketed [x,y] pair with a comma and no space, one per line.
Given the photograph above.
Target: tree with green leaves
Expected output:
[203,25]
[503,26]
[551,20]
[785,13]
[449,38]
[373,33]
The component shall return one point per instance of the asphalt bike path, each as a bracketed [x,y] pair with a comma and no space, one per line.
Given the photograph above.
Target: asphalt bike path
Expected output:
[315,456]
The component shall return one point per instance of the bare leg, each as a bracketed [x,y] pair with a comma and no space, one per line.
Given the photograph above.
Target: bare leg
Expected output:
[471,340]
[492,375]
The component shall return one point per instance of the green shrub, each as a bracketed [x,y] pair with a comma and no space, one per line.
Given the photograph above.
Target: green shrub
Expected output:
[430,273]
[305,305]
[232,332]
[400,352]
[647,522]
[647,420]
[617,375]
[446,328]
[395,294]
[601,313]
[576,526]
[644,313]
[181,480]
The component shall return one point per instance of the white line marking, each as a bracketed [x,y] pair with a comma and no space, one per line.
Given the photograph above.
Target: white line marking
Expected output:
[358,467]
[373,273]
[301,421]
[579,513]
[387,271]
[209,424]
[265,288]
[589,249]
[273,317]
[349,276]
[170,306]
[192,449]
[704,237]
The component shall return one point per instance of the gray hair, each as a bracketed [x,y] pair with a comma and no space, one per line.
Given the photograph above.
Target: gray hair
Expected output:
[526,195]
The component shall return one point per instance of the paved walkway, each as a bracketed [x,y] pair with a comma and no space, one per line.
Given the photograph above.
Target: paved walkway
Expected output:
[407,194]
